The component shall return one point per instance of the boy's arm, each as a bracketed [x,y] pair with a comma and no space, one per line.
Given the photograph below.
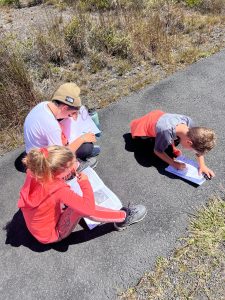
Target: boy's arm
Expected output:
[203,168]
[177,165]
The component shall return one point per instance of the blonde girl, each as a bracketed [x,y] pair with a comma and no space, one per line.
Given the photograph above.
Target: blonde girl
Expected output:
[45,190]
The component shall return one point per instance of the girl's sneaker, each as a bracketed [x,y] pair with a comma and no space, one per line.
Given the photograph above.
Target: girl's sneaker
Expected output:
[135,214]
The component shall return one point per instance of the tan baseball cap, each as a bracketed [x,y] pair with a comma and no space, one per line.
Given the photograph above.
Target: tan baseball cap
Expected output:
[68,93]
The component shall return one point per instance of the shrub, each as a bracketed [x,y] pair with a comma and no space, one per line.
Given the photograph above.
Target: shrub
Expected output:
[96,61]
[93,5]
[111,40]
[150,36]
[122,67]
[47,50]
[214,6]
[50,46]
[193,3]
[75,35]
[9,2]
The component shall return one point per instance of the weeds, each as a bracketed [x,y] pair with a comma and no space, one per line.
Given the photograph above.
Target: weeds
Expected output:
[17,95]
[106,41]
[76,35]
[50,45]
[16,88]
[114,42]
[213,6]
[194,3]
[10,2]
[196,268]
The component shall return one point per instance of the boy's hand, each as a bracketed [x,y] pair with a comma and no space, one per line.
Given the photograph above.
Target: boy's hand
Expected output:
[89,137]
[205,170]
[179,165]
[81,176]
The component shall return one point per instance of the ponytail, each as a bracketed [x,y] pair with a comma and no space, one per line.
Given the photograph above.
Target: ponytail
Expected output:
[46,163]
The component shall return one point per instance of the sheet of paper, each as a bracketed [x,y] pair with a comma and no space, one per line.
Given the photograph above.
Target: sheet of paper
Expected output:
[191,171]
[94,179]
[103,195]
[84,123]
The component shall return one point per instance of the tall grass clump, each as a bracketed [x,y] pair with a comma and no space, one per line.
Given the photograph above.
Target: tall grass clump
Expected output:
[77,33]
[94,5]
[152,30]
[50,49]
[16,88]
[113,41]
[50,45]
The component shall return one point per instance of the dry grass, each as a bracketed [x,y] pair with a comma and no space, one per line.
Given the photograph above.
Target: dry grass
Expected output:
[102,47]
[196,270]
[16,88]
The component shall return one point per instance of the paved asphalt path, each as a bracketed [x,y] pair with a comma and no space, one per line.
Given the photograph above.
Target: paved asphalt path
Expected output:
[100,263]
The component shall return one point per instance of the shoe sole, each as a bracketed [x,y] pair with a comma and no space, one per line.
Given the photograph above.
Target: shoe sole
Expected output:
[93,166]
[125,227]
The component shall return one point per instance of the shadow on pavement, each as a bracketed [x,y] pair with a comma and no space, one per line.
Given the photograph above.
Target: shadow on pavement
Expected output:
[18,235]
[144,154]
[18,163]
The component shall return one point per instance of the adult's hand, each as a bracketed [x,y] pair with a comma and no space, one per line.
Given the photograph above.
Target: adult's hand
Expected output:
[89,137]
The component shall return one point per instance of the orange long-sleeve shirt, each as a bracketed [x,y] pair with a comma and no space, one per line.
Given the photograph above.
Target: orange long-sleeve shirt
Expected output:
[41,206]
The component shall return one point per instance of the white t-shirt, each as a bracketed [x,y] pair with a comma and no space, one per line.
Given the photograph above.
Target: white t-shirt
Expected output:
[41,129]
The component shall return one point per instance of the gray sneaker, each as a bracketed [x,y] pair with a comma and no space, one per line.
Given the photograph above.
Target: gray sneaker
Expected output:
[89,162]
[135,214]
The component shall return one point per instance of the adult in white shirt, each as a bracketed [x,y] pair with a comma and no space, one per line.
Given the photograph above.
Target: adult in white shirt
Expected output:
[42,124]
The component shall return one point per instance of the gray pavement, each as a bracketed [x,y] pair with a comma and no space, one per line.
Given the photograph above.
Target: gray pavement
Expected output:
[98,264]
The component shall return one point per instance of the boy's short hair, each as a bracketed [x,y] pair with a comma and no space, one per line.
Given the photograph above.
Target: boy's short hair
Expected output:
[203,139]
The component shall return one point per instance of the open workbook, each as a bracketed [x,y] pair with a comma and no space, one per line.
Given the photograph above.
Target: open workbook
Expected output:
[75,128]
[191,171]
[103,195]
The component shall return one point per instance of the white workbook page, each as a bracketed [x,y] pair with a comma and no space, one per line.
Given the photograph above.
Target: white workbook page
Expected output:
[191,171]
[103,195]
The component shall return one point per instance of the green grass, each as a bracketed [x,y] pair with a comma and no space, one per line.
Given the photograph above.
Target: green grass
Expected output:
[196,270]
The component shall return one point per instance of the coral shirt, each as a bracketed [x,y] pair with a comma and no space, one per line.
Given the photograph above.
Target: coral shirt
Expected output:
[41,206]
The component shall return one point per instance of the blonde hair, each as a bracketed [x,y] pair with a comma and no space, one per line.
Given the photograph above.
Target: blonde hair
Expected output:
[203,139]
[46,163]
